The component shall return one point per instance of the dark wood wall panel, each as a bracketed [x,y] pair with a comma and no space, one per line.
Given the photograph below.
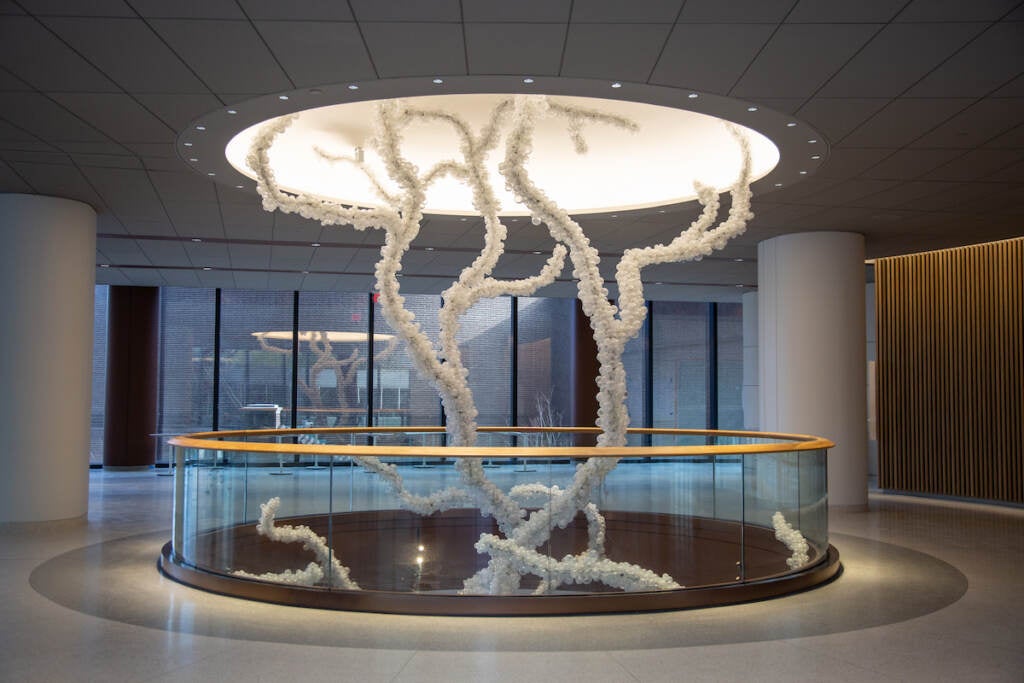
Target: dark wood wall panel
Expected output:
[951,372]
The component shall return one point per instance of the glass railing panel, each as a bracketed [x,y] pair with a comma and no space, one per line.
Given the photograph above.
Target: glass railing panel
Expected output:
[772,543]
[813,519]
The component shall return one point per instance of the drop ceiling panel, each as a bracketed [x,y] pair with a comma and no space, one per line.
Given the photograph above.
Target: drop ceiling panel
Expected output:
[415,49]
[319,282]
[736,11]
[11,182]
[118,116]
[284,282]
[977,164]
[332,259]
[100,8]
[178,110]
[165,253]
[9,81]
[897,58]
[617,12]
[908,164]
[254,256]
[307,10]
[988,62]
[45,118]
[589,51]
[179,278]
[315,53]
[956,10]
[292,228]
[58,181]
[509,48]
[208,254]
[153,66]
[846,162]
[843,11]
[354,283]
[290,258]
[107,160]
[799,58]
[836,118]
[111,276]
[903,121]
[977,124]
[684,62]
[34,54]
[247,222]
[101,148]
[185,186]
[556,11]
[229,56]
[196,9]
[196,219]
[407,10]
[246,280]
[122,251]
[216,278]
[905,195]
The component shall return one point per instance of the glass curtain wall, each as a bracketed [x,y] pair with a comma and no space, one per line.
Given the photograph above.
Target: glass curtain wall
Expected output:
[730,365]
[680,332]
[255,359]
[485,343]
[400,396]
[99,374]
[544,362]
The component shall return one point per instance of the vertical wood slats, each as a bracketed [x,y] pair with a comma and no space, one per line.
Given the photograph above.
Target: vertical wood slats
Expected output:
[950,374]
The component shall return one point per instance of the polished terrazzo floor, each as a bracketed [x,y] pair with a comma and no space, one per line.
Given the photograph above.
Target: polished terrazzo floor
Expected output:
[931,590]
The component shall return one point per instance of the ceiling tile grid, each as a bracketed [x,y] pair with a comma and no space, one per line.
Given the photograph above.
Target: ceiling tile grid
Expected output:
[922,102]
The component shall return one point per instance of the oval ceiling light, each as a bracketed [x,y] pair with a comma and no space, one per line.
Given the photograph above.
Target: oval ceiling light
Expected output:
[621,171]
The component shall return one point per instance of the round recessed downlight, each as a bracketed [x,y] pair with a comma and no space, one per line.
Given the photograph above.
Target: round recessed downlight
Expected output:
[621,171]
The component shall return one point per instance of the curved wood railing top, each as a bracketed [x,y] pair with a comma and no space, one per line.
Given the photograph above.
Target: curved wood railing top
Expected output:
[224,441]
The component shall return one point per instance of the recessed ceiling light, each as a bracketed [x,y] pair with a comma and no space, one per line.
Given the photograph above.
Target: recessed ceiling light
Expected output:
[200,127]
[282,97]
[196,239]
[615,215]
[616,84]
[429,248]
[811,142]
[803,172]
[438,81]
[659,283]
[738,260]
[232,111]
[188,144]
[740,286]
[207,268]
[353,86]
[527,80]
[315,91]
[751,108]
[537,253]
[661,210]
[211,173]
[305,272]
[463,219]
[693,96]
[239,186]
[791,124]
[815,156]
[193,159]
[104,265]
[778,184]
[315,244]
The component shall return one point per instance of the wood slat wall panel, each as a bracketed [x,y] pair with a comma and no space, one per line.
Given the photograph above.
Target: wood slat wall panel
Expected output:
[951,372]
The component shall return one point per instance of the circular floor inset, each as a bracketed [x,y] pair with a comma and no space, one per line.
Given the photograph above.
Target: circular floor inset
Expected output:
[881,584]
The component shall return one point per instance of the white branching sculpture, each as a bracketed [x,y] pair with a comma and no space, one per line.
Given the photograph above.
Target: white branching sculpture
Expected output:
[792,539]
[524,527]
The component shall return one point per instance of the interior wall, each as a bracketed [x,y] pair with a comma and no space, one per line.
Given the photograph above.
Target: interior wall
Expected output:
[951,371]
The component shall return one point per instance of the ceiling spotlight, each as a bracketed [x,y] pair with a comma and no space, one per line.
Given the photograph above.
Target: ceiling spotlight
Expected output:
[463,219]
[537,253]
[661,210]
[778,184]
[232,111]
[207,268]
[239,186]
[693,96]
[193,159]
[188,144]
[738,260]
[815,156]
[353,86]
[315,244]
[282,97]
[196,239]
[791,124]
[751,108]
[104,265]
[616,84]
[438,81]
[659,283]
[211,174]
[527,80]
[811,142]
[740,286]
[200,127]
[429,248]
[803,172]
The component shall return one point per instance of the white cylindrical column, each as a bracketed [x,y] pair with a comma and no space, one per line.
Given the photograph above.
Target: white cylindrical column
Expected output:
[812,349]
[48,275]
[751,373]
